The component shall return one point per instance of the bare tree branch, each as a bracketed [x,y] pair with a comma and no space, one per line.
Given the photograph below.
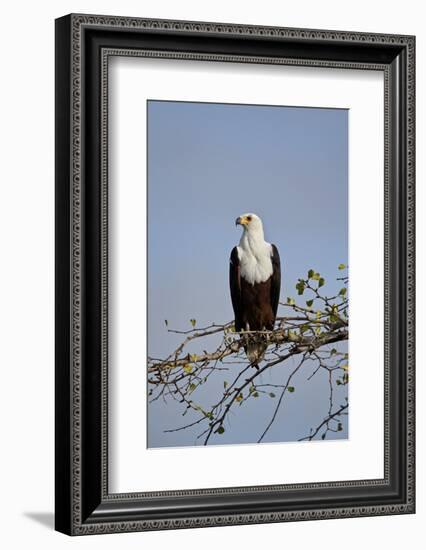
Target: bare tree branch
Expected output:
[326,423]
[308,331]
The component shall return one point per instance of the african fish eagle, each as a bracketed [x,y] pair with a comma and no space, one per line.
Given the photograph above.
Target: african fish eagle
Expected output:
[255,281]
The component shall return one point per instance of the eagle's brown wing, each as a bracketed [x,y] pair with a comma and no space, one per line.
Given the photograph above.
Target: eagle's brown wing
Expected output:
[275,279]
[235,287]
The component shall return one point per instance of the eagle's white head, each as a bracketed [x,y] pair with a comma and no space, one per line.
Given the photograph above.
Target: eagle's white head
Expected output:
[251,223]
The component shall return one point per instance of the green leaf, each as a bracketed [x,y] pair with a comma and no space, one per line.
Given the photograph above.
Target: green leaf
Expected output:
[309,303]
[193,322]
[341,266]
[166,322]
[272,395]
[339,427]
[187,368]
[321,282]
[225,384]
[291,301]
[343,291]
[255,394]
[311,273]
[220,430]
[192,387]
[300,287]
[333,351]
[290,389]
[316,276]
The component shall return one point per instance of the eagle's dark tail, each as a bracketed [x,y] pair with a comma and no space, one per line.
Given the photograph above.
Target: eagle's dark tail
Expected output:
[255,350]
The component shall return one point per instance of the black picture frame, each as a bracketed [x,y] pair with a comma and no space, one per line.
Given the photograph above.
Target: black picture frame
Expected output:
[83,504]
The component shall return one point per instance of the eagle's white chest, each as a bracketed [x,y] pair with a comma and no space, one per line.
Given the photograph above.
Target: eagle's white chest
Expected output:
[255,260]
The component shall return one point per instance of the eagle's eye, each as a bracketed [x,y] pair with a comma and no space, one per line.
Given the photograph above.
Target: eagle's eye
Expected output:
[249,218]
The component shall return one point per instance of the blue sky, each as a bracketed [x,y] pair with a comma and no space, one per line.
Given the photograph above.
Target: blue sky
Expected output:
[208,163]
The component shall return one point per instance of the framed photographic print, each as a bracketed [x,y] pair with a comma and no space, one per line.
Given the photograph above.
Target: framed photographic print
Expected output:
[234,274]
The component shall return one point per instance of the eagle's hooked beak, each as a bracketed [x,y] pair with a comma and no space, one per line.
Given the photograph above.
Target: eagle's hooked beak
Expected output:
[241,220]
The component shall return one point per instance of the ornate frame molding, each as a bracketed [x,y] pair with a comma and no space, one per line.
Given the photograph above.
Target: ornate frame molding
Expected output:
[73,502]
